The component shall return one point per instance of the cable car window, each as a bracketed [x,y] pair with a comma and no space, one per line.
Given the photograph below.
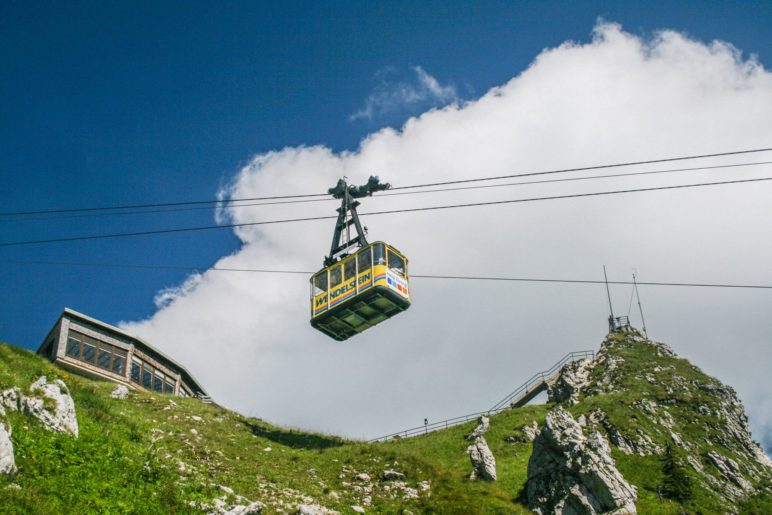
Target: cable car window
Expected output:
[350,268]
[320,283]
[335,277]
[379,254]
[396,262]
[365,260]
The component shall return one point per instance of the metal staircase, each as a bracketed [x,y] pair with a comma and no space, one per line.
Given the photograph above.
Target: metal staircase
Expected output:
[519,397]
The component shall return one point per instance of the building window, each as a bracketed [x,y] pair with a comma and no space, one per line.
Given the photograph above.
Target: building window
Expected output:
[96,352]
[136,371]
[150,377]
[103,358]
[168,386]
[73,348]
[89,353]
[147,376]
[119,362]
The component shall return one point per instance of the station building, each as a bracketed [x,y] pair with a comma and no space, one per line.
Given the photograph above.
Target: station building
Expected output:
[93,348]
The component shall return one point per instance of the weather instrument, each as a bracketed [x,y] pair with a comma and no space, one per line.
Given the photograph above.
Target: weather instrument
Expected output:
[362,284]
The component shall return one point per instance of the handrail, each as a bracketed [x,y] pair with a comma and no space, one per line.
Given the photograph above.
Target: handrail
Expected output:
[506,402]
[541,377]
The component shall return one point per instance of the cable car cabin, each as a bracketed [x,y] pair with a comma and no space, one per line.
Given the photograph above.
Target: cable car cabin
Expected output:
[359,291]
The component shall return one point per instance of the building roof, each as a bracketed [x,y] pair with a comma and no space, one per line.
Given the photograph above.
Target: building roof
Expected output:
[187,376]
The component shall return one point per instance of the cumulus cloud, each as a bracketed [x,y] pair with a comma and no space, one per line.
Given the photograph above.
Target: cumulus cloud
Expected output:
[392,94]
[463,345]
[165,297]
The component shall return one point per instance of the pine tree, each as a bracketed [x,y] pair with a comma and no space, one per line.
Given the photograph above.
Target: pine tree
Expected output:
[677,484]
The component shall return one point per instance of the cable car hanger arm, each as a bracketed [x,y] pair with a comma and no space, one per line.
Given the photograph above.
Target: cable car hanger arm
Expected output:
[347,193]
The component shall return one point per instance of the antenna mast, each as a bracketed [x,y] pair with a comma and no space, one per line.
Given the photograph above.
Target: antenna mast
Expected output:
[640,309]
[611,324]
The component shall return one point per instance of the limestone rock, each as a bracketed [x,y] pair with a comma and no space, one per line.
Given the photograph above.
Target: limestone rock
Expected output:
[572,379]
[120,392]
[10,399]
[569,473]
[63,418]
[314,509]
[388,475]
[7,460]
[730,470]
[483,461]
[531,432]
[481,429]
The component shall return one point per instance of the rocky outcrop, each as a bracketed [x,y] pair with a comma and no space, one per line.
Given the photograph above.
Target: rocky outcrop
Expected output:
[531,432]
[7,460]
[570,473]
[483,461]
[572,379]
[481,429]
[61,418]
[731,412]
[120,392]
[730,471]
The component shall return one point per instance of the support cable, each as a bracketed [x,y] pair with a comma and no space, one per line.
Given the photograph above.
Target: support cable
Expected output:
[420,192]
[635,282]
[461,181]
[373,213]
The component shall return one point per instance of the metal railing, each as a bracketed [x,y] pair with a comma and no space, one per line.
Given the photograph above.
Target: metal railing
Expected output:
[537,381]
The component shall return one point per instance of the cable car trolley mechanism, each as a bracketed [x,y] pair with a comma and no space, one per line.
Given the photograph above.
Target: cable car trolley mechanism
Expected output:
[362,284]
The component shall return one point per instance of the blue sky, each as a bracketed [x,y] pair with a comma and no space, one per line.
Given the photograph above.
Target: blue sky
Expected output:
[108,103]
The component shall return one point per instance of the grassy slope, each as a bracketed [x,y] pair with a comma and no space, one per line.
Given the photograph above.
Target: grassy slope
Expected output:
[127,459]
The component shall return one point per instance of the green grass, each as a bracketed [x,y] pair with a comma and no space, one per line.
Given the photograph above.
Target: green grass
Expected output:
[127,458]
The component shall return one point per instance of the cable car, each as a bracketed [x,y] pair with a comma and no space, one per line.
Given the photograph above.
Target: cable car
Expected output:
[361,284]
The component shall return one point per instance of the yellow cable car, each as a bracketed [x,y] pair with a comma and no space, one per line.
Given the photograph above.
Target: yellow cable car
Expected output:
[359,291]
[361,284]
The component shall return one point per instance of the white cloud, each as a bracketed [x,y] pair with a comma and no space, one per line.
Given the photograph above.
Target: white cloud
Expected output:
[464,345]
[391,95]
[165,297]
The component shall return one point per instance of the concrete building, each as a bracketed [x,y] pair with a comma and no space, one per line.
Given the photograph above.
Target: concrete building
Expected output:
[87,346]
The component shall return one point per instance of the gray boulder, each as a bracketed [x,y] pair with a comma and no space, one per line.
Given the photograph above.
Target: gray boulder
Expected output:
[483,462]
[569,473]
[481,429]
[120,392]
[389,475]
[63,418]
[7,461]
[531,432]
